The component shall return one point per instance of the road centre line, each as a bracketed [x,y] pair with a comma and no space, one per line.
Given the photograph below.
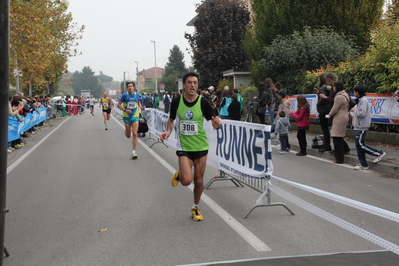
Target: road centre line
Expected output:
[247,235]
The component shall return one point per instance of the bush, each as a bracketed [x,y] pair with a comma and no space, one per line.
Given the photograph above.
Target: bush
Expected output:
[288,56]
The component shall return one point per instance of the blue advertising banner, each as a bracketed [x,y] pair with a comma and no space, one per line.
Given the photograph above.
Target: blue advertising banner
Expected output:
[16,128]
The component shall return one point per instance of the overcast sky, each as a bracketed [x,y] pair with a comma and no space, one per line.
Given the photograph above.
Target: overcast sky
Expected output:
[118,33]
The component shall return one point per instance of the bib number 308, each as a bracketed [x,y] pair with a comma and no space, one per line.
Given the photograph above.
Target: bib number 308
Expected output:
[189,128]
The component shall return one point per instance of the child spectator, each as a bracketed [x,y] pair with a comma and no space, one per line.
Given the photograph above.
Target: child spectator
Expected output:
[282,127]
[301,116]
[361,123]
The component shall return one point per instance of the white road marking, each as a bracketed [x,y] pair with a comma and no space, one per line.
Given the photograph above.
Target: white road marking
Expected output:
[26,154]
[253,240]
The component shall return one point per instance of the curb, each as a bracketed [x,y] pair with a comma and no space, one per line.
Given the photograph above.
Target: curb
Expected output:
[350,159]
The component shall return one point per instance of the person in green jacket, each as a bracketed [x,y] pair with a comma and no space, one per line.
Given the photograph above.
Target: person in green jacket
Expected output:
[240,100]
[156,101]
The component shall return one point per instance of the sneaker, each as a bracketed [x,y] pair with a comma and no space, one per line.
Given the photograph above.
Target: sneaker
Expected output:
[361,167]
[21,145]
[106,128]
[9,150]
[378,158]
[175,178]
[301,154]
[134,156]
[16,147]
[278,146]
[282,152]
[195,214]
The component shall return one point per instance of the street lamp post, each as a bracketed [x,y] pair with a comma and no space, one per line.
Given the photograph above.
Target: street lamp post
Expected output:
[156,75]
[137,76]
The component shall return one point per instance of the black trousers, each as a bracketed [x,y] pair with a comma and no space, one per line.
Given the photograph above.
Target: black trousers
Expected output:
[326,131]
[262,118]
[340,147]
[301,136]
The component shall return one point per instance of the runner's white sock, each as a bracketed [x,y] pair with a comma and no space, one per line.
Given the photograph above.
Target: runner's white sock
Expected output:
[194,206]
[133,151]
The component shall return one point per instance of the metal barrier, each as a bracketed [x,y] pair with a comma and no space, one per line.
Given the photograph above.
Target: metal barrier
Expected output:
[258,184]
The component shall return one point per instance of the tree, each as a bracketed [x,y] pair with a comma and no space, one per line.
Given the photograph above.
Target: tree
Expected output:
[176,61]
[41,39]
[174,69]
[217,43]
[272,18]
[287,56]
[86,80]
[105,80]
[383,57]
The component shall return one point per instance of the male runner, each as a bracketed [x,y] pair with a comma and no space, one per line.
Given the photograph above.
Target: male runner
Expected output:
[92,101]
[106,104]
[190,109]
[129,103]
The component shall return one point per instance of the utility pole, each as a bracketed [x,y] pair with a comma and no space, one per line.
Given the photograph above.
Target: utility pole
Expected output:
[137,76]
[4,88]
[124,82]
[156,74]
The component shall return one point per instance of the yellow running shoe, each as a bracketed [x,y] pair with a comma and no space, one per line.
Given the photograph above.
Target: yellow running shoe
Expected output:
[175,178]
[195,213]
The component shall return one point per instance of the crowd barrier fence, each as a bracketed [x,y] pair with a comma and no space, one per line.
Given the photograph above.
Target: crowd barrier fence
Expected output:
[384,108]
[242,153]
[16,128]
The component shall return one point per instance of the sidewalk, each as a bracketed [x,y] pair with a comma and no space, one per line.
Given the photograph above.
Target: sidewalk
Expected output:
[389,164]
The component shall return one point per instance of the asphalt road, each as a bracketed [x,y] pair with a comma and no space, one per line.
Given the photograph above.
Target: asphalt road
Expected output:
[76,198]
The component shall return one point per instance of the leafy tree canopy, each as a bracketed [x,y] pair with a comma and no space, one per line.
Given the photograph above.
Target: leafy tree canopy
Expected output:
[86,80]
[272,18]
[217,43]
[287,56]
[174,69]
[42,38]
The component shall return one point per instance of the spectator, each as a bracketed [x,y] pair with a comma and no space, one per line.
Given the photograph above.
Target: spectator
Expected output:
[166,102]
[211,91]
[396,96]
[339,113]
[361,123]
[234,108]
[283,106]
[148,102]
[156,101]
[270,100]
[69,104]
[240,100]
[14,108]
[324,104]
[217,99]
[301,116]
[282,127]
[75,105]
[224,105]
[262,102]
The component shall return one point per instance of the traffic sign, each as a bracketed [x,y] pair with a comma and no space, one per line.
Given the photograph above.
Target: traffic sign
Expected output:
[161,86]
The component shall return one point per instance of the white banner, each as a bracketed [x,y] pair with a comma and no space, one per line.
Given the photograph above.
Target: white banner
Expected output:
[237,148]
[383,107]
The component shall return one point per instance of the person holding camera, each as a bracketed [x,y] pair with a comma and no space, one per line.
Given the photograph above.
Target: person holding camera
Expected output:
[324,105]
[396,97]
